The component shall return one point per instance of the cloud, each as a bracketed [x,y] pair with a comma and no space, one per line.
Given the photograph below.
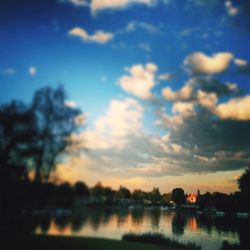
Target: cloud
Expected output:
[235,109]
[207,100]
[64,173]
[140,81]
[123,119]
[243,67]
[204,3]
[165,76]
[118,144]
[183,94]
[80,120]
[99,5]
[70,104]
[187,32]
[202,134]
[184,109]
[99,36]
[211,135]
[8,72]
[231,10]
[210,144]
[211,85]
[144,46]
[199,63]
[240,62]
[79,2]
[32,70]
[150,28]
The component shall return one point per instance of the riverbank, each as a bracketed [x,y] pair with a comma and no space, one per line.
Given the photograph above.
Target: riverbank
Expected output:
[76,243]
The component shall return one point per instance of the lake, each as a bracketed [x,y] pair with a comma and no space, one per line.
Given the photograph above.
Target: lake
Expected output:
[207,231]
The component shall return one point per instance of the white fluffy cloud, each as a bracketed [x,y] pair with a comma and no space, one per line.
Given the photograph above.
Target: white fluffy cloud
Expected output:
[123,119]
[235,109]
[182,95]
[185,109]
[98,5]
[32,70]
[70,104]
[141,80]
[199,63]
[99,36]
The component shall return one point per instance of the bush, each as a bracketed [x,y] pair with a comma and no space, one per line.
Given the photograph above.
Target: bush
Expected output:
[159,239]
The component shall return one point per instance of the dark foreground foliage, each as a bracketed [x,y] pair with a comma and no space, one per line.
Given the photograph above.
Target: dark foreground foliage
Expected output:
[69,243]
[159,239]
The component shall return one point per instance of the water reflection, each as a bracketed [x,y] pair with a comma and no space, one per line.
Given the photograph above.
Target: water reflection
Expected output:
[137,216]
[192,223]
[155,215]
[209,231]
[62,222]
[44,223]
[179,223]
[122,217]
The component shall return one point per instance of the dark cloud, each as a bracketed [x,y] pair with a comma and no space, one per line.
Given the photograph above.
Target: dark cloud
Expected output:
[217,144]
[244,69]
[211,85]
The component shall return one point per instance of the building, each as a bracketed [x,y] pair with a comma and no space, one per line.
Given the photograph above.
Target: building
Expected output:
[191,198]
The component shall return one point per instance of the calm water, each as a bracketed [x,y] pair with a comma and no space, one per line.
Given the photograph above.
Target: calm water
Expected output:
[207,231]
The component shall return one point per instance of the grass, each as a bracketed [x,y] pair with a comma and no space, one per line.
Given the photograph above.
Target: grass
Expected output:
[160,239]
[73,243]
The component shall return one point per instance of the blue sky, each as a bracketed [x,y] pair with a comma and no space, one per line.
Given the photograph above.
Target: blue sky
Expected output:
[164,85]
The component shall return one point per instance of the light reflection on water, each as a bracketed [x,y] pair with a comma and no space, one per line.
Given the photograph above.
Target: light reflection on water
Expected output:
[207,231]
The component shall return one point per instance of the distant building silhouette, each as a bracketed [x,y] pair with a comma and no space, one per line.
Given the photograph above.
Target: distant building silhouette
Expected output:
[192,197]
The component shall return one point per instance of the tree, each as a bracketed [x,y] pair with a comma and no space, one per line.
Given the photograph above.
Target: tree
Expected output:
[167,198]
[206,201]
[64,195]
[244,186]
[138,194]
[123,192]
[16,126]
[178,196]
[97,190]
[155,196]
[55,121]
[222,201]
[81,189]
[244,182]
[109,193]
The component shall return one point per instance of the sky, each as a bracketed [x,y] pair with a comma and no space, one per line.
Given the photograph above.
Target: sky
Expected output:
[163,84]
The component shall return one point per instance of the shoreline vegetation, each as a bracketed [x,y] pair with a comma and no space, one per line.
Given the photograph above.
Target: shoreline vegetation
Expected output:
[160,240]
[41,242]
